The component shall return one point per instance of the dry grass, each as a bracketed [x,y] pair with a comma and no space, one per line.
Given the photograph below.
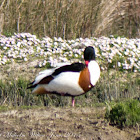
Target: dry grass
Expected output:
[71,19]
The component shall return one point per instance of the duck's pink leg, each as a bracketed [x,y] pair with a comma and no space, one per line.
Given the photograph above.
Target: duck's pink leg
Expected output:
[73,101]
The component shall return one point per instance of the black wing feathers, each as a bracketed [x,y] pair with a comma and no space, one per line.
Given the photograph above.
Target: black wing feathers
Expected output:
[30,85]
[74,67]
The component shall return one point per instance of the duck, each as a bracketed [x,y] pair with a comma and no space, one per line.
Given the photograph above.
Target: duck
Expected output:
[69,80]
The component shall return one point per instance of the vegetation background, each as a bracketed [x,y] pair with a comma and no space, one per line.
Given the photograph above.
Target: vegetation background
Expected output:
[71,18]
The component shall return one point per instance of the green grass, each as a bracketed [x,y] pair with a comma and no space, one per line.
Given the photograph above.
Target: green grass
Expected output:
[112,86]
[4,108]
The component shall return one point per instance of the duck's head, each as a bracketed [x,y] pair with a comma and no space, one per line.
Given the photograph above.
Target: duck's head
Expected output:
[89,54]
[92,65]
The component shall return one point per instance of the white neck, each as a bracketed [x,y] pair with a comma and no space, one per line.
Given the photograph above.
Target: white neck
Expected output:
[94,70]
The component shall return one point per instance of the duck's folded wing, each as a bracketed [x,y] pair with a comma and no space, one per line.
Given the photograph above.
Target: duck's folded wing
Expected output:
[40,77]
[74,67]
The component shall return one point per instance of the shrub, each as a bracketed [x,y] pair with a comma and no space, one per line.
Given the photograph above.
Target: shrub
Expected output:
[124,113]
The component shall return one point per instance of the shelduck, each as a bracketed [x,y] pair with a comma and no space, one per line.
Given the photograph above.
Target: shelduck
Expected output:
[69,80]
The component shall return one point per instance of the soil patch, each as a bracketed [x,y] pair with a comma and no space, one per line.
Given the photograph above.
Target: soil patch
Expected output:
[61,123]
